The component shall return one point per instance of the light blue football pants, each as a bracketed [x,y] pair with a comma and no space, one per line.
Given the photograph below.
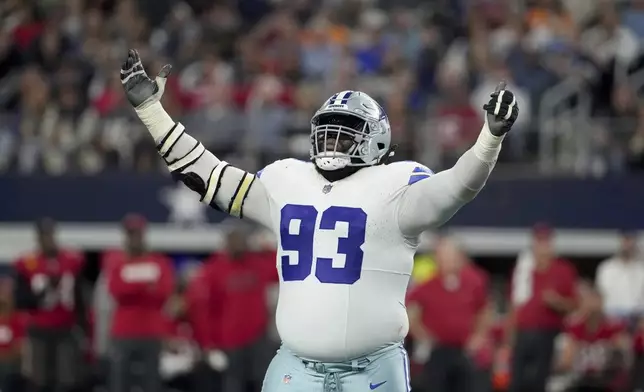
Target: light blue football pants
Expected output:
[386,370]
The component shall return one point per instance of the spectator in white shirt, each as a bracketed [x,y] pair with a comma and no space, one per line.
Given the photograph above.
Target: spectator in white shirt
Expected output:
[620,280]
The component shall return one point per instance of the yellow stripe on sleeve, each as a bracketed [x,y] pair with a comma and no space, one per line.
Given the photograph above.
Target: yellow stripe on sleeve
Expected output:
[240,196]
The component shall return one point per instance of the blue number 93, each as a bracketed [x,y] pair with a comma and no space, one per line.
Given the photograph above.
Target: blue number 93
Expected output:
[303,243]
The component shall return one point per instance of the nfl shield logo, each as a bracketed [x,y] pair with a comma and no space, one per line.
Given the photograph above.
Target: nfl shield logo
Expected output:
[286,379]
[327,188]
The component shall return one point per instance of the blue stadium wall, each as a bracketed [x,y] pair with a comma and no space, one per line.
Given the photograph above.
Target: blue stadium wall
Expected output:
[617,202]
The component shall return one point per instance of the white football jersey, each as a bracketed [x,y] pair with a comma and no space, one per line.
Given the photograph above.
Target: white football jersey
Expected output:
[343,262]
[345,248]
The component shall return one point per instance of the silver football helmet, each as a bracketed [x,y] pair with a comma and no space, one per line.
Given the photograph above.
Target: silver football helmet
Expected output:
[350,129]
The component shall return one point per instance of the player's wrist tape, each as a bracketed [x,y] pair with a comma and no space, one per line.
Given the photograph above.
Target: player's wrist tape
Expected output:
[156,119]
[487,146]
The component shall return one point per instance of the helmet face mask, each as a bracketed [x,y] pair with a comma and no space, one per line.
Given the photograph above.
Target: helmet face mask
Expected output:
[337,133]
[353,131]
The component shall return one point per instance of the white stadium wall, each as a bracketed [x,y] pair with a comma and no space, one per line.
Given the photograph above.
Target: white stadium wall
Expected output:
[18,238]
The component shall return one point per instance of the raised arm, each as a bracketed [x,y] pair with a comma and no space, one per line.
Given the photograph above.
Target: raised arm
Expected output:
[219,184]
[430,203]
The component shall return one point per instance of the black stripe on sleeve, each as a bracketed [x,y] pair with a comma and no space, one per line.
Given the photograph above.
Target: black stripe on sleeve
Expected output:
[208,182]
[189,152]
[182,168]
[241,208]
[165,138]
[167,154]
[214,195]
[232,199]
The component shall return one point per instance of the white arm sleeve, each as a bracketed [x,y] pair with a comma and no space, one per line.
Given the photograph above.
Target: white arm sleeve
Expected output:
[224,187]
[430,203]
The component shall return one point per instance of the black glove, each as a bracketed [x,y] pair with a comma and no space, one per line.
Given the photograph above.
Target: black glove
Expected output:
[140,90]
[502,110]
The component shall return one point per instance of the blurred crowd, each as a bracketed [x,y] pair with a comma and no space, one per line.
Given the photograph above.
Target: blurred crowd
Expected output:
[248,76]
[144,323]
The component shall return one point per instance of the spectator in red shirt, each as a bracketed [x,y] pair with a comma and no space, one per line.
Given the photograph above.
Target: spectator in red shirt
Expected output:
[141,284]
[49,287]
[543,292]
[449,312]
[595,348]
[12,333]
[237,313]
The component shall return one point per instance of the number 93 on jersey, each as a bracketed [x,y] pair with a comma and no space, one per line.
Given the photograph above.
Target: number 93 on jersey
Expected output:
[300,232]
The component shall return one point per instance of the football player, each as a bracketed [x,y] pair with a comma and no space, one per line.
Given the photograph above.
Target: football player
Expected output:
[347,225]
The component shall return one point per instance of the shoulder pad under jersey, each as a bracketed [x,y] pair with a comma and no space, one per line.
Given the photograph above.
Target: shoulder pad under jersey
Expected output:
[278,168]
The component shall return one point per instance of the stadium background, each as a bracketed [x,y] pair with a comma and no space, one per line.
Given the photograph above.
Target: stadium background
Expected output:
[248,74]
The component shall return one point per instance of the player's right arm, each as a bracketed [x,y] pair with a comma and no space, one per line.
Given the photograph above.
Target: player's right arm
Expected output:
[429,203]
[220,185]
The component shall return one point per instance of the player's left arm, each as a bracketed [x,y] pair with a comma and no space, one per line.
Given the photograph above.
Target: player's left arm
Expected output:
[220,185]
[430,203]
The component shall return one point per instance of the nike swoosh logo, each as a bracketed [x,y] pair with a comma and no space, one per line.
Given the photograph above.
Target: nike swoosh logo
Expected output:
[374,386]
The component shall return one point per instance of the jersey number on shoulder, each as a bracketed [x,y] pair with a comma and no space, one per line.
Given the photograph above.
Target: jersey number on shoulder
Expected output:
[302,243]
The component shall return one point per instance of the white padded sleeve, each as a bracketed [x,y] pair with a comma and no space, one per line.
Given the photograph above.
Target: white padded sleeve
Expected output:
[219,184]
[430,203]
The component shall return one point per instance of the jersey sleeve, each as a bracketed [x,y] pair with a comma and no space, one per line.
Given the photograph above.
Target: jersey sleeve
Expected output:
[220,185]
[429,200]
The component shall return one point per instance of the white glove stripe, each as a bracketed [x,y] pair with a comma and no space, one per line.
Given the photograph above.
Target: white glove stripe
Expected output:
[171,139]
[213,182]
[188,159]
[499,99]
[510,108]
[137,64]
[130,76]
